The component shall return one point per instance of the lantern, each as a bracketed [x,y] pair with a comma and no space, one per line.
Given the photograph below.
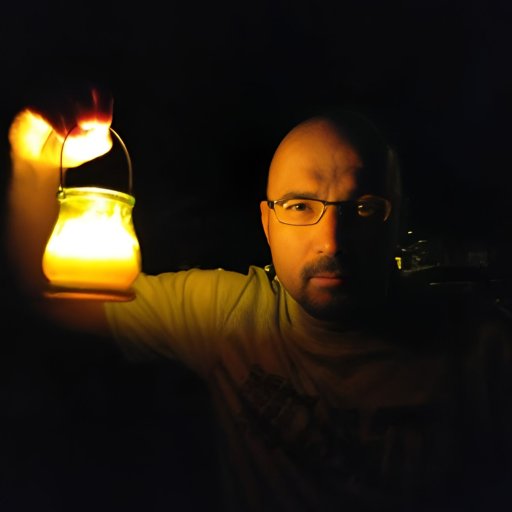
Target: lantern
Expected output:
[93,251]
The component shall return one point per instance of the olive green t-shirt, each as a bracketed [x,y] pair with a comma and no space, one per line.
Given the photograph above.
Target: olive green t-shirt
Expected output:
[316,418]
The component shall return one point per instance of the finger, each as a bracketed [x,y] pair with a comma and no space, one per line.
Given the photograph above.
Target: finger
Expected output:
[74,107]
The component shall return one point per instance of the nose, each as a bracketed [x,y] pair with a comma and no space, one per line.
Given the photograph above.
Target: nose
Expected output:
[328,236]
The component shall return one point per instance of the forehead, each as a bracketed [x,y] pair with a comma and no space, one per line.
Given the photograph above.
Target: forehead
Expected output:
[315,159]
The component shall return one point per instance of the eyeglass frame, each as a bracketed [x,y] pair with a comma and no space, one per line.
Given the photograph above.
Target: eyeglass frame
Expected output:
[271,204]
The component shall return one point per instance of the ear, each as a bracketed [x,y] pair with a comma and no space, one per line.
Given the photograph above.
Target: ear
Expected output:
[265,211]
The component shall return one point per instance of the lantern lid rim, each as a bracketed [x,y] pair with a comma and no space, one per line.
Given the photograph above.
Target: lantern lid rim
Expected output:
[96,191]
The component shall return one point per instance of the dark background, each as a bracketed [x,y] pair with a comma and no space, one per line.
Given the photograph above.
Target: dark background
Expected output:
[203,92]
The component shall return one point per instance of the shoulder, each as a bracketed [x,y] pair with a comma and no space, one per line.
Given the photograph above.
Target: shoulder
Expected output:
[206,281]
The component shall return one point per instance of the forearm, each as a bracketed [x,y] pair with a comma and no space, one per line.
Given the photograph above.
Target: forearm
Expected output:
[32,212]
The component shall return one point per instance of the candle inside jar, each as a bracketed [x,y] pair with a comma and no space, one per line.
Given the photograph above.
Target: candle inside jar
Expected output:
[93,244]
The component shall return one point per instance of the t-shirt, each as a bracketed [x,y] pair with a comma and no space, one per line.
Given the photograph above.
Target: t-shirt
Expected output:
[408,411]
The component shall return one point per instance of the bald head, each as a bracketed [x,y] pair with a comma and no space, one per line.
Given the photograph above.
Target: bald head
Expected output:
[357,135]
[314,144]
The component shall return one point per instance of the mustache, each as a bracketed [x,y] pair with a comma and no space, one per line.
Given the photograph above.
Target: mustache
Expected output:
[325,264]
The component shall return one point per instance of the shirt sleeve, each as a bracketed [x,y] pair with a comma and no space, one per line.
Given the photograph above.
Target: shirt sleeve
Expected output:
[179,315]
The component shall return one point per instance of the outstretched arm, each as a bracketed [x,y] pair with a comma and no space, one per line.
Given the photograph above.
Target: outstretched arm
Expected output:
[36,137]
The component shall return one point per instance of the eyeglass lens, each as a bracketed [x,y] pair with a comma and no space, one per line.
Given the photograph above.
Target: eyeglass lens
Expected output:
[299,211]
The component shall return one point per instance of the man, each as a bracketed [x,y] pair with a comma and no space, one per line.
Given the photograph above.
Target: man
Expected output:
[332,391]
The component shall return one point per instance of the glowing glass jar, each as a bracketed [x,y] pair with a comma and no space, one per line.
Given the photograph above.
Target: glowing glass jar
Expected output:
[93,251]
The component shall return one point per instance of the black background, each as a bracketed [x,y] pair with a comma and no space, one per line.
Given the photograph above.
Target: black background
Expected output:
[203,92]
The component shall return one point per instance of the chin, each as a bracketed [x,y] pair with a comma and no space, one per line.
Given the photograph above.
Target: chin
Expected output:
[331,309]
[340,306]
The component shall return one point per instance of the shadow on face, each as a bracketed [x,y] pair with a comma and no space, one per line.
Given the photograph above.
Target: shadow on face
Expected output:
[345,258]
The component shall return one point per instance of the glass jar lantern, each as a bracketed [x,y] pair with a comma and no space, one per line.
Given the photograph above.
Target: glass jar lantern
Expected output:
[93,251]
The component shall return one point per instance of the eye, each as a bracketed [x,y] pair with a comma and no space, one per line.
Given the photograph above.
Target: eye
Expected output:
[372,208]
[297,205]
[366,208]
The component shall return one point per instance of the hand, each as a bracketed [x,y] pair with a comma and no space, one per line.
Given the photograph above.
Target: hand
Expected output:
[81,123]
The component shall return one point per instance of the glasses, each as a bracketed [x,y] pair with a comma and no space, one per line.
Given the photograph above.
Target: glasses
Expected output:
[301,211]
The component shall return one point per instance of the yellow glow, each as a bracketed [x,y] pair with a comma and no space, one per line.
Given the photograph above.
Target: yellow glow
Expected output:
[32,138]
[36,132]
[89,144]
[398,261]
[93,244]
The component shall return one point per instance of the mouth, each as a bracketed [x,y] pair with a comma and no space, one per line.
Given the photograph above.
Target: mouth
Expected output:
[327,274]
[327,280]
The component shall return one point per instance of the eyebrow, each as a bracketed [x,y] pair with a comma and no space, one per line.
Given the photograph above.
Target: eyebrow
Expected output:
[309,195]
[298,195]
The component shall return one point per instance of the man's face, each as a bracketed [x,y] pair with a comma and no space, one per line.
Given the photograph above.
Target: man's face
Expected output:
[340,261]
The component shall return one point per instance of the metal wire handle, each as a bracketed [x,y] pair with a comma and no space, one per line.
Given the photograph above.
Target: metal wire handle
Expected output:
[123,145]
